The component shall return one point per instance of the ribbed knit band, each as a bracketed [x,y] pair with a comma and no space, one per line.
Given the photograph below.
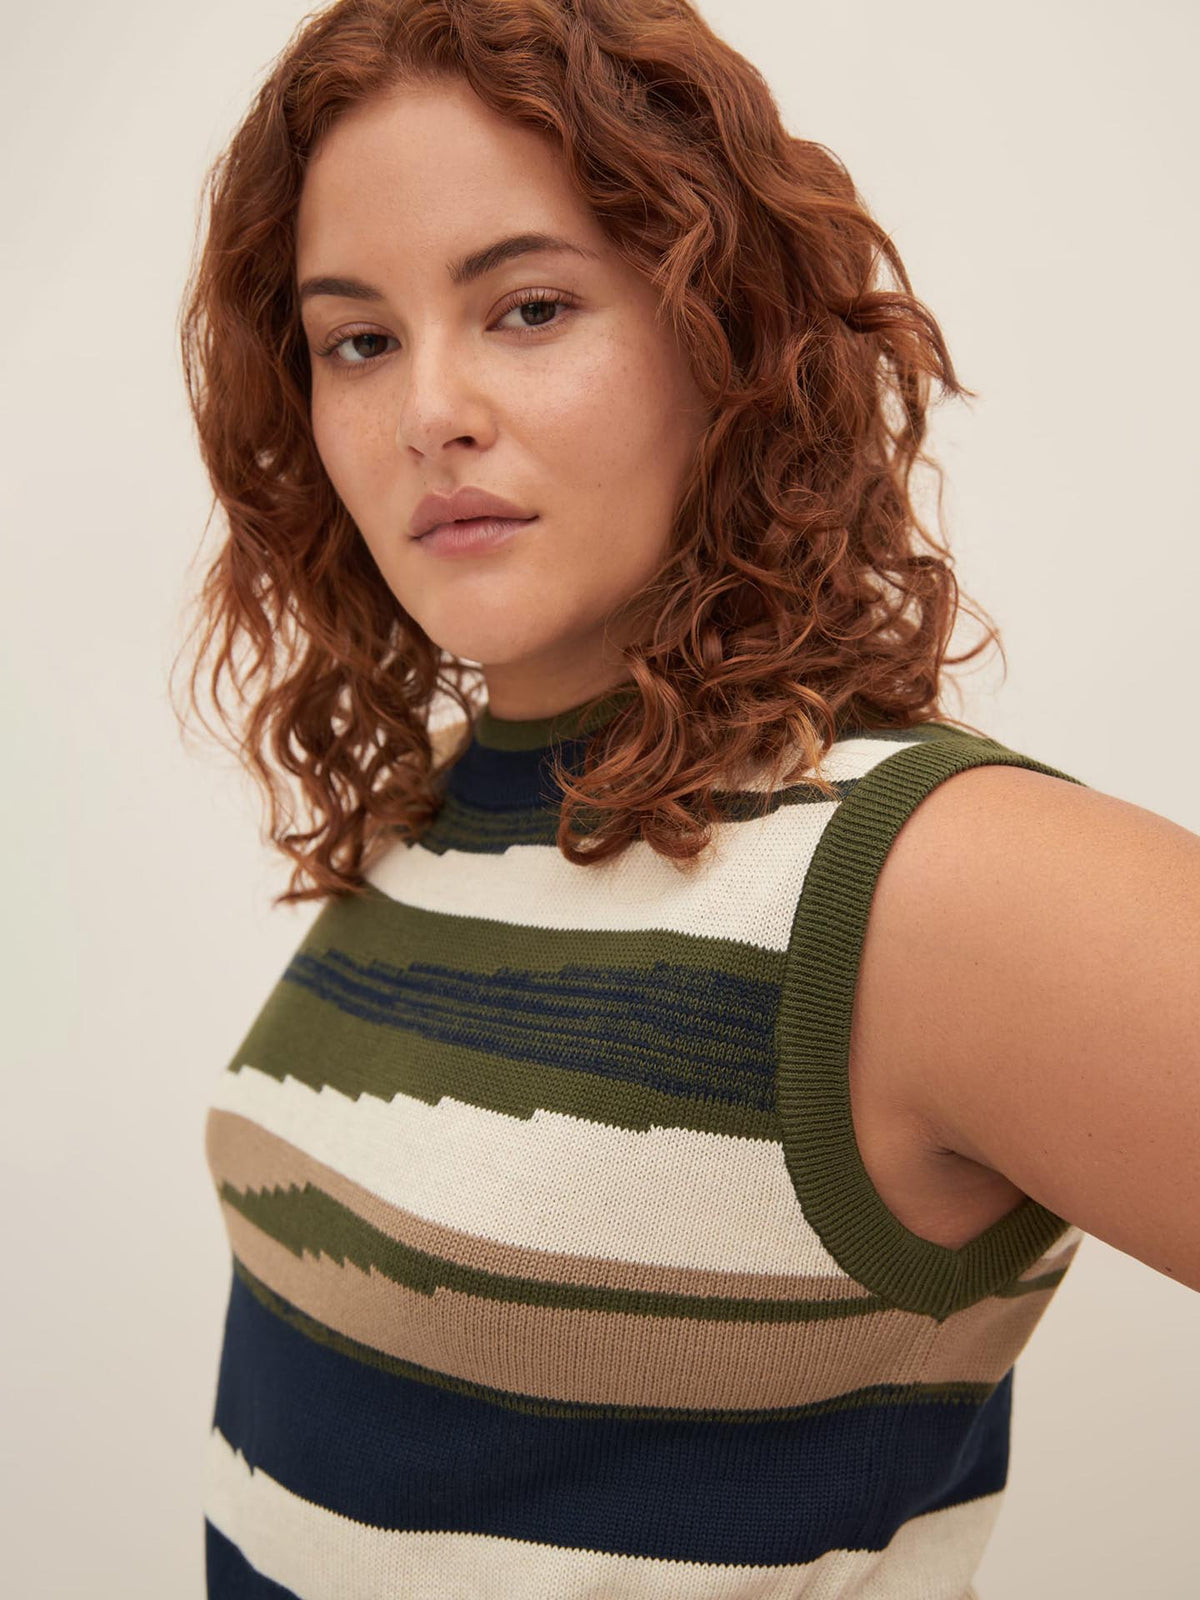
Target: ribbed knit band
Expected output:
[500,733]
[813,1051]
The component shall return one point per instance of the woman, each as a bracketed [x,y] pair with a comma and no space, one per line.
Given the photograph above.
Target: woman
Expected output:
[650,1165]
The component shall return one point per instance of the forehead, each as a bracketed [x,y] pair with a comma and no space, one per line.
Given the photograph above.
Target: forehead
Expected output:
[431,171]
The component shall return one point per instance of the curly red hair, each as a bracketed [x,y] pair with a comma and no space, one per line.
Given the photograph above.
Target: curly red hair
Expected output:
[794,601]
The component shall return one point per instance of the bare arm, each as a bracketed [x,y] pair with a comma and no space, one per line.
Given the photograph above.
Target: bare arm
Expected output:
[1046,1020]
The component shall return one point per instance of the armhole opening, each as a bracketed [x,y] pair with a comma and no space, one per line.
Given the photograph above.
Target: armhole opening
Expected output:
[813,1050]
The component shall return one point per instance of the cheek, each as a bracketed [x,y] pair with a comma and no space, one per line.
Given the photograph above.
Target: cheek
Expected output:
[608,419]
[351,444]
[562,409]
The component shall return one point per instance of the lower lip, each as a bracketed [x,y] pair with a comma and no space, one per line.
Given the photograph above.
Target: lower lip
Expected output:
[480,533]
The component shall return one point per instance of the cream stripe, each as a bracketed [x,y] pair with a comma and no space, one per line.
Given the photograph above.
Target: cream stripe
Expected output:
[1058,1255]
[668,1196]
[320,1555]
[242,1154]
[534,886]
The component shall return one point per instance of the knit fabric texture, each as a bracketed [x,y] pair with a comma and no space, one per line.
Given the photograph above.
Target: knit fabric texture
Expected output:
[556,1270]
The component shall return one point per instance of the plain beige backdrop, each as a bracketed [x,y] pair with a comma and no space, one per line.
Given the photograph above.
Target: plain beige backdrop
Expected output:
[1036,165]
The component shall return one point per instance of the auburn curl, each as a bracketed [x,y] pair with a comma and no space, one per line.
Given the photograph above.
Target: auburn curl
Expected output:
[800,595]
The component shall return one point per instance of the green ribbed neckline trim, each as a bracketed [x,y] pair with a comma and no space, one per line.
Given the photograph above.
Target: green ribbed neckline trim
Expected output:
[501,733]
[813,1051]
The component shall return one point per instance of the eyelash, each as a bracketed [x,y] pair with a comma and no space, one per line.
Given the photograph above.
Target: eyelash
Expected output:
[525,297]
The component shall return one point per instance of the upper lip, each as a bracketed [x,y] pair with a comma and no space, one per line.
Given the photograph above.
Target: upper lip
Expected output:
[466,502]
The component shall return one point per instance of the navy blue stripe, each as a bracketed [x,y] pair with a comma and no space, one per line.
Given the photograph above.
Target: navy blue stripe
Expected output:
[510,780]
[391,1452]
[677,1029]
[230,1576]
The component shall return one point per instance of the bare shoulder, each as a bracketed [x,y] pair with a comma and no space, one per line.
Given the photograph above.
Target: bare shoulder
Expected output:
[908,997]
[1029,1000]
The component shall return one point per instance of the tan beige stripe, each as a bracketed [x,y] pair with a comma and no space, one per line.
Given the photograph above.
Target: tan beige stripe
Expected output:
[243,1154]
[983,1341]
[605,1358]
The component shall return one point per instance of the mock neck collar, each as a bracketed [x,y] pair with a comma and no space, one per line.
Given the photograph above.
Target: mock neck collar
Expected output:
[509,763]
[538,733]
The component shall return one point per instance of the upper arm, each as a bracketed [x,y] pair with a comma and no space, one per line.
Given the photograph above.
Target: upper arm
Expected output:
[1044,941]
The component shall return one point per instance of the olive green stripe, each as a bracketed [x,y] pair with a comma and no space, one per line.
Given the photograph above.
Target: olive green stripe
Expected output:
[300,1036]
[375,927]
[707,1033]
[716,1081]
[813,1042]
[309,1220]
[478,831]
[876,1396]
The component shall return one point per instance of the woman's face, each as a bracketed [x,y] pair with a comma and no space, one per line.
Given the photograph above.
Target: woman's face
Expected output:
[582,414]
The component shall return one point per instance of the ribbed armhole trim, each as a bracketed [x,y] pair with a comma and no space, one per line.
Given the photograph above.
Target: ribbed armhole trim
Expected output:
[813,1050]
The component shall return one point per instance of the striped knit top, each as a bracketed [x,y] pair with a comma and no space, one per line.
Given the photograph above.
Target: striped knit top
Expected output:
[556,1271]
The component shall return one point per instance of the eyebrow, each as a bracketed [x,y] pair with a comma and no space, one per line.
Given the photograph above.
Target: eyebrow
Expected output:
[465,270]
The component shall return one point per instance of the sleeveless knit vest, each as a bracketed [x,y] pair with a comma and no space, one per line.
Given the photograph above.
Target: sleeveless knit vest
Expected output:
[556,1271]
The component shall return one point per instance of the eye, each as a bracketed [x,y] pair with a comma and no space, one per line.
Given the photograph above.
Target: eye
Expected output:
[540,298]
[524,298]
[329,353]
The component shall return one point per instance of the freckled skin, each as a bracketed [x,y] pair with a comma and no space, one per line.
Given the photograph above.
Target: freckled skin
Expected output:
[592,421]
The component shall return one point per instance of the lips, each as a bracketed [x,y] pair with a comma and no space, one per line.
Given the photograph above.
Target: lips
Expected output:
[473,536]
[466,504]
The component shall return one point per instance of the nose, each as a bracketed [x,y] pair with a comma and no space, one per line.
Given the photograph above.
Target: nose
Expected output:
[441,402]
